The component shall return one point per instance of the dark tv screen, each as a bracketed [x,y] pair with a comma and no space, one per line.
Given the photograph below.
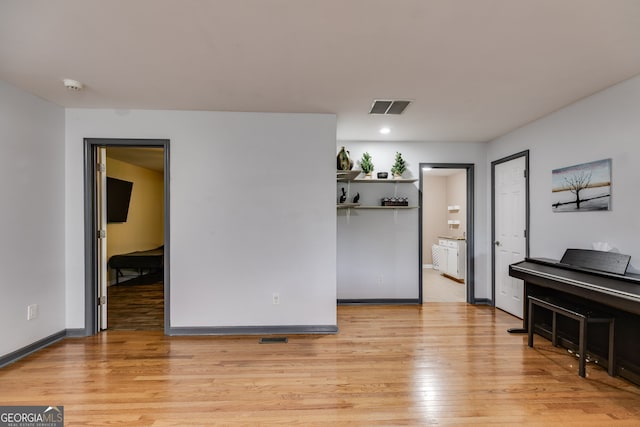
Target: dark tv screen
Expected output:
[118,198]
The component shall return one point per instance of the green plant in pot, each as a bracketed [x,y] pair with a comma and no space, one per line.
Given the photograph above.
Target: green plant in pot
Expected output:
[366,165]
[399,166]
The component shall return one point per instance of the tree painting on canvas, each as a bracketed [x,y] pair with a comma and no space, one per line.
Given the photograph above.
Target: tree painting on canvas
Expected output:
[584,187]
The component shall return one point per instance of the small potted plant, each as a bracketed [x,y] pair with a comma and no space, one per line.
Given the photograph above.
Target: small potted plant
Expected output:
[398,167]
[366,165]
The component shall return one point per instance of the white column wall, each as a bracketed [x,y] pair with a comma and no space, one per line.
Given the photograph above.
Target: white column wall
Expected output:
[31,218]
[251,213]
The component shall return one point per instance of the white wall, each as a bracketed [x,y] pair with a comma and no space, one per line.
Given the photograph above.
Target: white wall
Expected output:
[378,249]
[604,125]
[434,213]
[31,218]
[143,229]
[457,196]
[397,257]
[251,208]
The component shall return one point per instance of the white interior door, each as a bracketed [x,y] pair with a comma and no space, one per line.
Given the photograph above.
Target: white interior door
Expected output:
[510,232]
[101,234]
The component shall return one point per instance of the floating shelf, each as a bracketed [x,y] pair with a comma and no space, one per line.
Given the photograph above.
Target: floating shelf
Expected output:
[358,206]
[350,176]
[453,222]
[387,207]
[387,181]
[453,208]
[344,176]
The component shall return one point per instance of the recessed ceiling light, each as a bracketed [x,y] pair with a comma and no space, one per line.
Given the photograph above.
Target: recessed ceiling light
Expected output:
[385,130]
[72,84]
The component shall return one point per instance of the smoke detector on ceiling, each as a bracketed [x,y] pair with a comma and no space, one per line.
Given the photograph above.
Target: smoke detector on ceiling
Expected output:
[72,84]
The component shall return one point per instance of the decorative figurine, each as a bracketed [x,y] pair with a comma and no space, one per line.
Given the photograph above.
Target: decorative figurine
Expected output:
[344,160]
[356,198]
[344,196]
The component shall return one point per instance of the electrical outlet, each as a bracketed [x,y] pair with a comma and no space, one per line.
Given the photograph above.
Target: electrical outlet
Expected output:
[380,279]
[276,298]
[32,311]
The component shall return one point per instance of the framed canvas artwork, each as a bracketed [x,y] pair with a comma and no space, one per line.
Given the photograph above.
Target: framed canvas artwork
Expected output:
[580,188]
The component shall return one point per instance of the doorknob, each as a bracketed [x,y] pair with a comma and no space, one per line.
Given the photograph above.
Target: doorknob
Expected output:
[497,243]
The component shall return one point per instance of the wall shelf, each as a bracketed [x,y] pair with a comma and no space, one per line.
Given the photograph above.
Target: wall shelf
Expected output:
[350,177]
[358,206]
[387,207]
[345,176]
[384,181]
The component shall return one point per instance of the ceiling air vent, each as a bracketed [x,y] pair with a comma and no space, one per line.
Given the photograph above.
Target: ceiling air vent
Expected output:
[386,106]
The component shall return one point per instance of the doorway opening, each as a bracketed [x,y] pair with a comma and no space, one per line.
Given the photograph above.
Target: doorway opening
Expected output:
[126,234]
[446,232]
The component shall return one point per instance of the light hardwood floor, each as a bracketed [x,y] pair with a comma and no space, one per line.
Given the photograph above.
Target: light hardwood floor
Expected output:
[437,288]
[437,364]
[136,306]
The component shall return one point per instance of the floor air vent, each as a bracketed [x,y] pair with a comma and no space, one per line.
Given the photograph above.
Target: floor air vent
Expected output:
[388,106]
[273,340]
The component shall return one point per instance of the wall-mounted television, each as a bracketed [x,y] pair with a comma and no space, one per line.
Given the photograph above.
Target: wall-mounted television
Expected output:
[118,199]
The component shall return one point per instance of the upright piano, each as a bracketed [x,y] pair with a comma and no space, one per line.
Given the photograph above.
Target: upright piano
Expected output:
[595,280]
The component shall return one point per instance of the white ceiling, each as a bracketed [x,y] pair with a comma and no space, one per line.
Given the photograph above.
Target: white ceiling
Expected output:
[475,69]
[146,157]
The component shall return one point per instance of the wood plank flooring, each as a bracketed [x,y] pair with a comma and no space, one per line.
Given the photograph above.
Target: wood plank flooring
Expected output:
[136,305]
[446,364]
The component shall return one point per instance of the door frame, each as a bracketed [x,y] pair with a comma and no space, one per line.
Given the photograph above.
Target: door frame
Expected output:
[90,225]
[470,273]
[524,154]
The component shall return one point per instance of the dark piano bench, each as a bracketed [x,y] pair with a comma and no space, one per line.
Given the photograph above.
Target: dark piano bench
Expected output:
[582,316]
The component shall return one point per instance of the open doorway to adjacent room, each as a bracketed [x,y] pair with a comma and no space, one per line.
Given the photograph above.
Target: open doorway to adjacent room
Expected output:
[446,227]
[127,227]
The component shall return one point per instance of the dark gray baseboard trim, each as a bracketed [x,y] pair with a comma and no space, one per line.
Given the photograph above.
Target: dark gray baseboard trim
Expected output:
[483,301]
[379,301]
[77,333]
[254,330]
[31,348]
